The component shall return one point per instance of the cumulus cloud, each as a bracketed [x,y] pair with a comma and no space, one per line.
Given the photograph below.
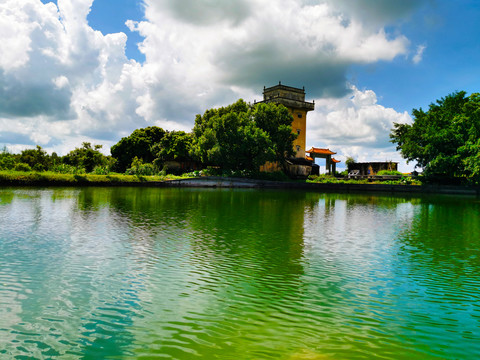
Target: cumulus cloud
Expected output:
[205,12]
[355,125]
[63,82]
[309,44]
[376,12]
[65,72]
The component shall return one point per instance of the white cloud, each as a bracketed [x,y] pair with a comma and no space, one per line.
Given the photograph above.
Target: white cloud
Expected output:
[355,125]
[419,54]
[66,83]
[67,74]
[61,81]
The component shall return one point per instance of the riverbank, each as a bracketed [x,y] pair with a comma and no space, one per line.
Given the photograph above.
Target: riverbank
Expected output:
[217,182]
[52,179]
[19,178]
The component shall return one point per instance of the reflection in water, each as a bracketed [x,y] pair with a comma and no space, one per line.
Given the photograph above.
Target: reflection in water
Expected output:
[237,274]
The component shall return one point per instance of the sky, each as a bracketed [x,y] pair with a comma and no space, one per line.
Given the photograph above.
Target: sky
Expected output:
[95,70]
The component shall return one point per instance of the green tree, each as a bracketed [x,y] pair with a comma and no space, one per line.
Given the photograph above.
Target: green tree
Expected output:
[138,144]
[349,162]
[445,140]
[243,137]
[276,121]
[229,138]
[174,146]
[7,160]
[37,158]
[139,168]
[87,157]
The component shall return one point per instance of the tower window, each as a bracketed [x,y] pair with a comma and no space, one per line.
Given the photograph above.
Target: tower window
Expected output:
[298,147]
[298,131]
[299,116]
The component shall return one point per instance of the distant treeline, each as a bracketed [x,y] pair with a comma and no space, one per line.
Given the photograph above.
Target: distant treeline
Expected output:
[444,142]
[239,137]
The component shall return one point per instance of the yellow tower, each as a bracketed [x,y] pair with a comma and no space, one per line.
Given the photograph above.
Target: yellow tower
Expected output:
[294,100]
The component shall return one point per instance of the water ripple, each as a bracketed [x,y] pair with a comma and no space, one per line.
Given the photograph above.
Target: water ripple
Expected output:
[207,274]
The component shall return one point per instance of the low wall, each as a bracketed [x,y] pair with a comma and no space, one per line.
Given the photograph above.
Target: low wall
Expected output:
[217,182]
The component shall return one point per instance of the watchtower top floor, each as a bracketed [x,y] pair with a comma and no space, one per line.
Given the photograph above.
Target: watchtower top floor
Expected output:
[289,96]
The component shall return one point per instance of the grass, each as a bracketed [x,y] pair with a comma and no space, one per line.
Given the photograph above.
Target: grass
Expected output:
[10,177]
[329,179]
[51,178]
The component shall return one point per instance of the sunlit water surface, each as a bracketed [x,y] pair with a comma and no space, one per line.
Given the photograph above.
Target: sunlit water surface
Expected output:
[132,273]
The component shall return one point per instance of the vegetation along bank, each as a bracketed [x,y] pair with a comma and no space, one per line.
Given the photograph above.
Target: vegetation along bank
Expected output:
[235,141]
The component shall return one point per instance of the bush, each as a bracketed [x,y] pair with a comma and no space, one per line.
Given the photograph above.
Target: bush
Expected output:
[140,169]
[23,167]
[38,167]
[7,162]
[211,171]
[323,178]
[195,173]
[389,172]
[67,169]
[101,170]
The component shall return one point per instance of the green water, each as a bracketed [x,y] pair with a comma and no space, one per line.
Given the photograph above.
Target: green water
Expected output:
[130,273]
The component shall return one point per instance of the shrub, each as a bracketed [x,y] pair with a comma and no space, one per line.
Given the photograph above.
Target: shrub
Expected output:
[7,162]
[195,173]
[23,167]
[211,171]
[38,167]
[101,170]
[389,172]
[67,169]
[139,168]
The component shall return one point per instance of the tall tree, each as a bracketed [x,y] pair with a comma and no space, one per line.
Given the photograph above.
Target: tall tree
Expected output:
[37,158]
[87,157]
[243,137]
[276,121]
[174,145]
[138,144]
[445,140]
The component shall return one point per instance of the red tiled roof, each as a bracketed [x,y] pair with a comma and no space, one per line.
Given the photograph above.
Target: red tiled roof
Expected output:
[315,150]
[309,158]
[335,160]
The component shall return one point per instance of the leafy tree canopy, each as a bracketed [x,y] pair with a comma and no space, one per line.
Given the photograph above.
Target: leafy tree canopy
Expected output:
[276,121]
[139,144]
[7,160]
[174,146]
[86,157]
[349,162]
[243,137]
[445,140]
[37,158]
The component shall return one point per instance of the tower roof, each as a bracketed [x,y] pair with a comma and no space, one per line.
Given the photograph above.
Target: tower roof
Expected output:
[283,87]
[289,96]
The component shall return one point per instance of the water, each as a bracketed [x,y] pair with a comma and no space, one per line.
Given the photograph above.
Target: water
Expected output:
[132,273]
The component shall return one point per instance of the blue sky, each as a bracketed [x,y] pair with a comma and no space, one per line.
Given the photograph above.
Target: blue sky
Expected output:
[451,34]
[95,70]
[110,16]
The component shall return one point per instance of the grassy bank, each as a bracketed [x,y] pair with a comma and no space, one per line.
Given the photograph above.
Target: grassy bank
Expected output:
[10,177]
[51,178]
[328,179]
